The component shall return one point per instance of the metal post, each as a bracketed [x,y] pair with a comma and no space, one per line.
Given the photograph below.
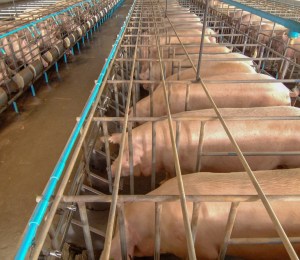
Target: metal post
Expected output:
[86,229]
[56,67]
[158,210]
[46,77]
[65,58]
[121,220]
[166,9]
[32,90]
[16,107]
[202,42]
[229,228]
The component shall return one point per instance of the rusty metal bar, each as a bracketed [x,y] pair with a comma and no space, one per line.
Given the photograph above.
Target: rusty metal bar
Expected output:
[86,230]
[122,230]
[229,228]
[158,210]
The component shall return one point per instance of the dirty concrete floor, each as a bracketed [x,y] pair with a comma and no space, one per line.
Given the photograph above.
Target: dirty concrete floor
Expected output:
[31,143]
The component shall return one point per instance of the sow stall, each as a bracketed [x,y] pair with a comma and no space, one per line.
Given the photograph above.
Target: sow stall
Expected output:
[31,44]
[89,199]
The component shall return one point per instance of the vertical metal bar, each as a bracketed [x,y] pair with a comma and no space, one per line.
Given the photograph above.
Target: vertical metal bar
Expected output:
[86,230]
[116,100]
[130,148]
[202,42]
[158,210]
[32,90]
[107,152]
[153,163]
[166,9]
[54,242]
[187,98]
[229,228]
[200,146]
[16,107]
[122,230]
[178,125]
[194,222]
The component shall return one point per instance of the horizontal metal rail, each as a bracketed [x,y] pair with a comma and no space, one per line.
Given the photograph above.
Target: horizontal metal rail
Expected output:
[169,198]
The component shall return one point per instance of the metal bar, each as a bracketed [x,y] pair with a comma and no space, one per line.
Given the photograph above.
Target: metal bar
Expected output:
[261,240]
[86,230]
[158,210]
[121,220]
[92,229]
[198,118]
[202,41]
[229,228]
[107,152]
[195,217]
[170,198]
[200,146]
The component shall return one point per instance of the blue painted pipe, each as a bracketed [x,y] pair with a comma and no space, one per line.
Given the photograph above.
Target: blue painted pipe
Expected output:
[56,67]
[16,107]
[293,26]
[42,206]
[65,58]
[32,90]
[46,77]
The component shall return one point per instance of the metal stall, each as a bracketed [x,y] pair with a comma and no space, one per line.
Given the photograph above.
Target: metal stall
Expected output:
[31,44]
[101,170]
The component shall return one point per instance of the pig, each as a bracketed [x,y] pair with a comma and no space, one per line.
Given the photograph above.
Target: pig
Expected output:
[209,63]
[251,136]
[280,44]
[250,19]
[191,96]
[5,72]
[210,69]
[18,51]
[212,219]
[49,34]
[212,48]
[264,32]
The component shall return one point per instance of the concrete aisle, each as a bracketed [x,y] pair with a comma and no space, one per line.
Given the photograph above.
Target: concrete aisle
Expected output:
[31,143]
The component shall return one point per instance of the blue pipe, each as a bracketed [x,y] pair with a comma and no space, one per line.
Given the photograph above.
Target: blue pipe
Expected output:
[56,67]
[46,77]
[32,90]
[16,107]
[42,206]
[293,26]
[65,58]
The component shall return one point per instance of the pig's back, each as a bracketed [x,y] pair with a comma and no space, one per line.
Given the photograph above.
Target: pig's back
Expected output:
[283,181]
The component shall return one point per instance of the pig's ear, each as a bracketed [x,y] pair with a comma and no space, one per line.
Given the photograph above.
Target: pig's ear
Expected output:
[115,138]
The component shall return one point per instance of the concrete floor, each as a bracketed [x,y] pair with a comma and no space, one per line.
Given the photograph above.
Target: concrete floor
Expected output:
[31,143]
